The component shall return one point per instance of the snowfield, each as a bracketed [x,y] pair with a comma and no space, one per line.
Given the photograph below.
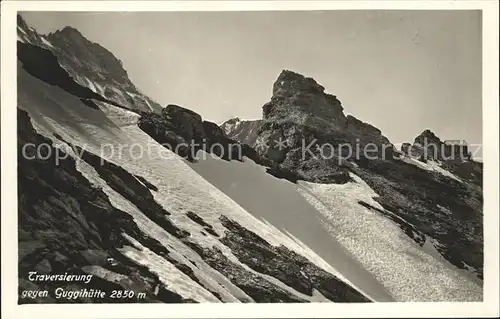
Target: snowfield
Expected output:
[409,272]
[431,166]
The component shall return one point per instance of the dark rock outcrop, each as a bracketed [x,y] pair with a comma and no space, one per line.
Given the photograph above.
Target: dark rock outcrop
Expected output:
[132,189]
[289,267]
[207,227]
[279,262]
[147,183]
[184,132]
[255,286]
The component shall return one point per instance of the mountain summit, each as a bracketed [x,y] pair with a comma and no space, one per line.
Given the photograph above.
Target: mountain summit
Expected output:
[302,115]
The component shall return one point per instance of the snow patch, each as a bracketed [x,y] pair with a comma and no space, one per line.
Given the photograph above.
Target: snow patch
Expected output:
[99,88]
[21,29]
[118,115]
[430,166]
[91,85]
[46,42]
[407,271]
[168,274]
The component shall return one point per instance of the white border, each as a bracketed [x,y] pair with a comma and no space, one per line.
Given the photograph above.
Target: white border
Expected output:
[10,309]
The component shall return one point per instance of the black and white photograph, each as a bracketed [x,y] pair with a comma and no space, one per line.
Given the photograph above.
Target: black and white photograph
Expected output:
[250,156]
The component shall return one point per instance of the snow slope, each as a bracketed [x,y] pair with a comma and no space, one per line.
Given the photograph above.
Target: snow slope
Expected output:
[327,218]
[409,272]
[110,132]
[279,203]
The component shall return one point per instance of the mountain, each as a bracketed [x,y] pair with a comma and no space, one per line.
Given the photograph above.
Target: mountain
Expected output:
[446,182]
[158,201]
[244,131]
[89,64]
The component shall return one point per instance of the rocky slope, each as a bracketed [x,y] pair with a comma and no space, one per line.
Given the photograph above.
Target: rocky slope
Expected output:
[157,200]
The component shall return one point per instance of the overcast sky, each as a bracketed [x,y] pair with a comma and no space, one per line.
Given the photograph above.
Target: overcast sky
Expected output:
[402,71]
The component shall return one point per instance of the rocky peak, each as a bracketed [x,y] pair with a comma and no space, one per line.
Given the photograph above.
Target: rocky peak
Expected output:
[302,100]
[25,33]
[428,146]
[233,120]
[174,111]
[300,113]
[67,31]
[93,55]
[427,137]
[21,23]
[230,125]
[90,65]
[243,131]
[291,82]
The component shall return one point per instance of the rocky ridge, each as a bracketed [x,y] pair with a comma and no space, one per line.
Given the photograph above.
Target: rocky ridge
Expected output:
[90,65]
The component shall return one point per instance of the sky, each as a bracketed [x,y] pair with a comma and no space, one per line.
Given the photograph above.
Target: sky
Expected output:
[401,71]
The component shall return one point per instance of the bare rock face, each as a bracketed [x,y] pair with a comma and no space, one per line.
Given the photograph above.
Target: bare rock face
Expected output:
[176,128]
[75,44]
[366,132]
[304,102]
[406,148]
[188,124]
[304,129]
[185,133]
[44,65]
